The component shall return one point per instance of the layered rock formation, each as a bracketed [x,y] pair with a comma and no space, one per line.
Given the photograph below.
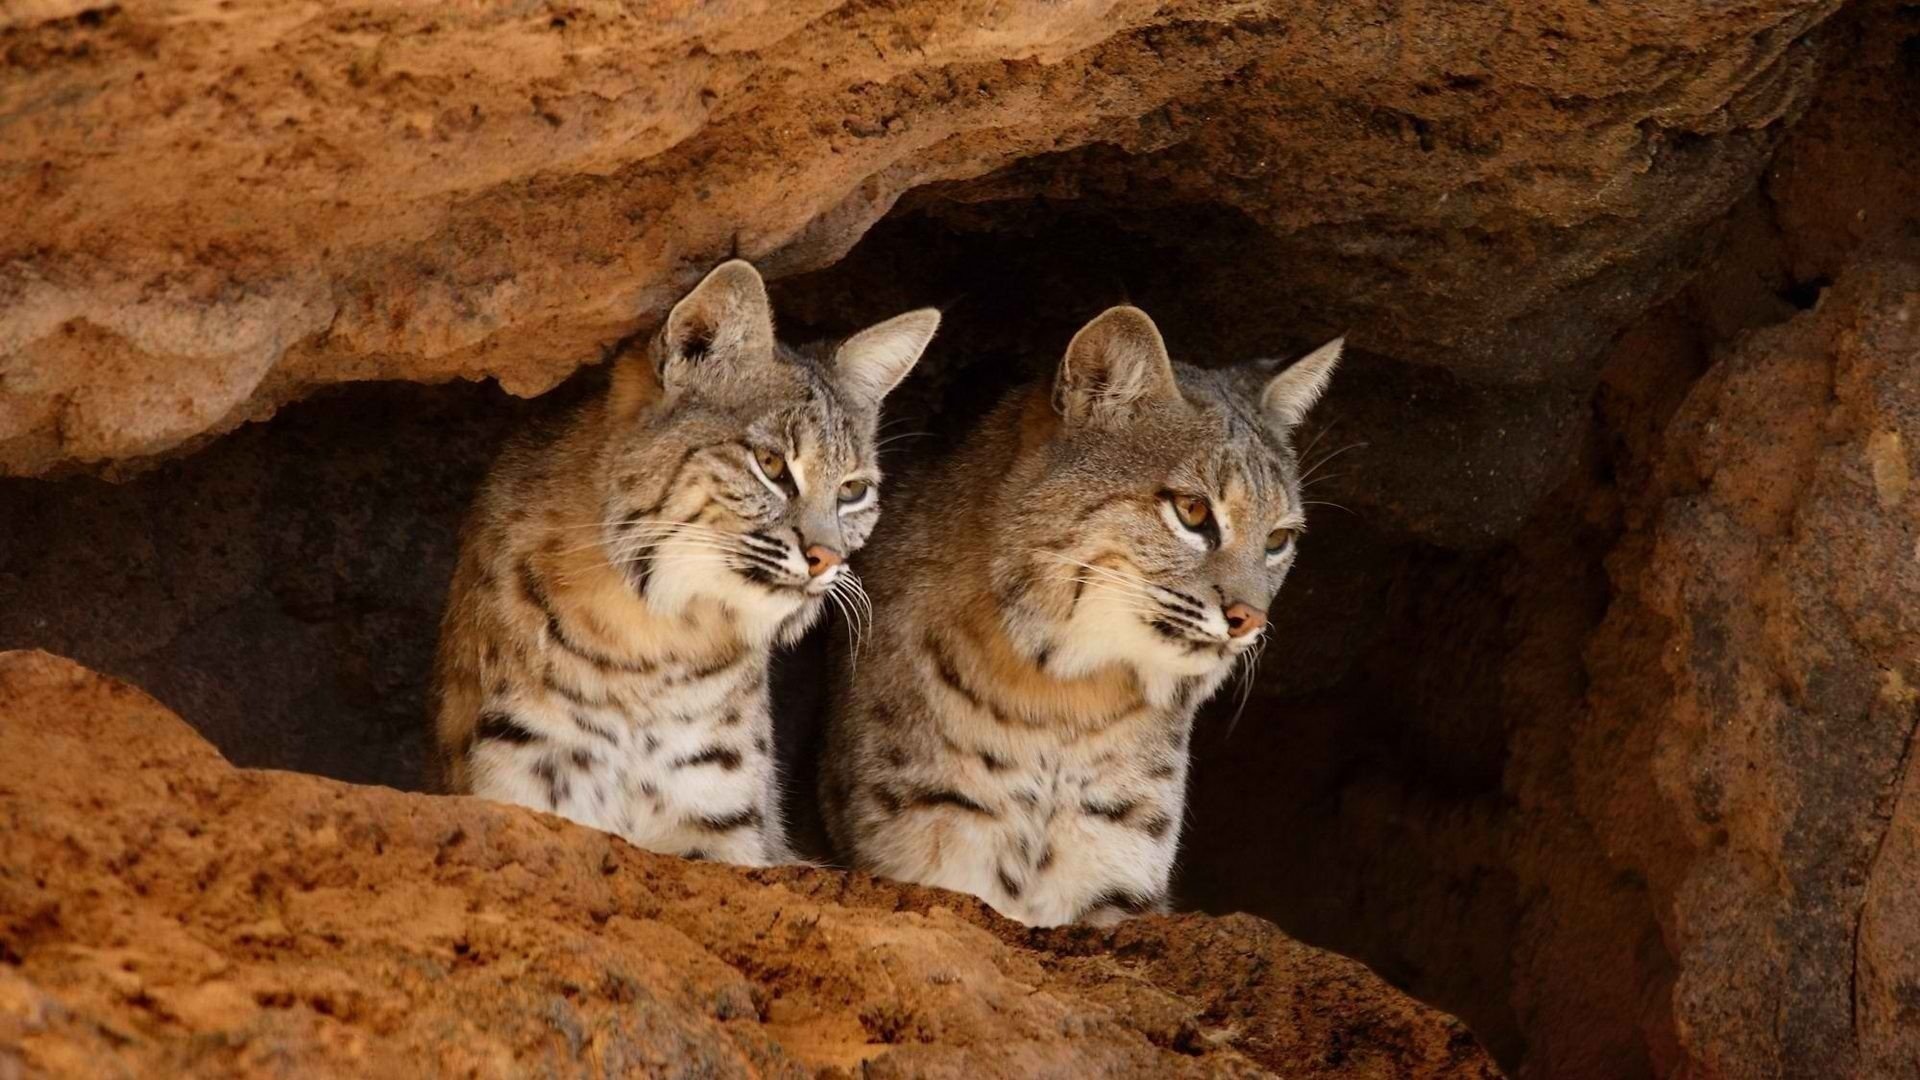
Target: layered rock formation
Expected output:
[163,913]
[213,212]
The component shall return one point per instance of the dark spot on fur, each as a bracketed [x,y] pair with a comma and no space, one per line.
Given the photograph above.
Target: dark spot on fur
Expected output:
[1111,811]
[724,756]
[1168,630]
[1122,899]
[741,819]
[1157,826]
[558,787]
[1011,886]
[948,797]
[992,763]
[887,798]
[587,725]
[499,727]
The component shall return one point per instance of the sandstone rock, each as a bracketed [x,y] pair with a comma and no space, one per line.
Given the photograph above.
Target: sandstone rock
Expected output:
[213,211]
[1751,751]
[162,913]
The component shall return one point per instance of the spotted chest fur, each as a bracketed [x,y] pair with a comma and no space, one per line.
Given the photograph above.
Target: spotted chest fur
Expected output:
[672,751]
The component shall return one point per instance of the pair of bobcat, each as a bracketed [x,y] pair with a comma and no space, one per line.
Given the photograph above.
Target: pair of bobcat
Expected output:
[1049,607]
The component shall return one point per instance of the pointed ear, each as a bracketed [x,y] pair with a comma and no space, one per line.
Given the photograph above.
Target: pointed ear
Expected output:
[1291,394]
[872,362]
[1115,365]
[724,320]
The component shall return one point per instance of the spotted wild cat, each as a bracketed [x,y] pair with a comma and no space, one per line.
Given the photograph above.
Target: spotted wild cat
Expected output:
[1051,606]
[623,579]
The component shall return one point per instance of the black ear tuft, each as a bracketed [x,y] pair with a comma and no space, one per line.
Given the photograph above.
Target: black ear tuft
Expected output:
[697,344]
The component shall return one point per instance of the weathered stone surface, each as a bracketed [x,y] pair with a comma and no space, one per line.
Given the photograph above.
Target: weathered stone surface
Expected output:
[212,210]
[163,913]
[1751,749]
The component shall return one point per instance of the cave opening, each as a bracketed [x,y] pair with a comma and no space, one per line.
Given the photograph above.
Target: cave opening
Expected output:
[281,588]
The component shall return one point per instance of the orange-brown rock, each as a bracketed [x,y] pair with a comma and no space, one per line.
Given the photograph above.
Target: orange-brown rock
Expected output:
[163,913]
[213,208]
[1756,696]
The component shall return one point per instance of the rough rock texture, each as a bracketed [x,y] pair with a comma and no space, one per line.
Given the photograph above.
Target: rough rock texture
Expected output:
[1754,694]
[163,913]
[213,209]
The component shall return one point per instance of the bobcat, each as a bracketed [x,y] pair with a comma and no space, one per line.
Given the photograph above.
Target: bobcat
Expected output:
[623,580]
[1051,606]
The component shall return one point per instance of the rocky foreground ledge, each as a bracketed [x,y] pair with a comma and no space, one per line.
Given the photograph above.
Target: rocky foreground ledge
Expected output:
[164,913]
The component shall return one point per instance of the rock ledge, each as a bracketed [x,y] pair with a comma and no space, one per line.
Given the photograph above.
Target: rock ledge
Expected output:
[164,913]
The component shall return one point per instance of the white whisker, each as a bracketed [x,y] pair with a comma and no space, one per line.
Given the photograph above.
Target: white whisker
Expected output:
[1244,670]
[1318,465]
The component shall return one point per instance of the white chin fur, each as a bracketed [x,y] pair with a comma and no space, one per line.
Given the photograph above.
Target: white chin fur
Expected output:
[684,573]
[1107,628]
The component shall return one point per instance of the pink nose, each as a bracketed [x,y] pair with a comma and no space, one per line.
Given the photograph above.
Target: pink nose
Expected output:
[821,559]
[1244,619]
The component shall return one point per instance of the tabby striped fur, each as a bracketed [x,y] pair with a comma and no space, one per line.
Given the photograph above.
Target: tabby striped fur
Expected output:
[1046,627]
[623,580]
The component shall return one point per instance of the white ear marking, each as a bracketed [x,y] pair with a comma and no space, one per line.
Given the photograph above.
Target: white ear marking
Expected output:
[1290,395]
[868,365]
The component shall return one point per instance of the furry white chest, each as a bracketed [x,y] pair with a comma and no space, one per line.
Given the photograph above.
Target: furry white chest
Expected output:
[684,769]
[1047,833]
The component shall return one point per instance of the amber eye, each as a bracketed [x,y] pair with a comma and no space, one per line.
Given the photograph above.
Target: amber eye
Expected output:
[771,463]
[1192,510]
[854,490]
[1278,539]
